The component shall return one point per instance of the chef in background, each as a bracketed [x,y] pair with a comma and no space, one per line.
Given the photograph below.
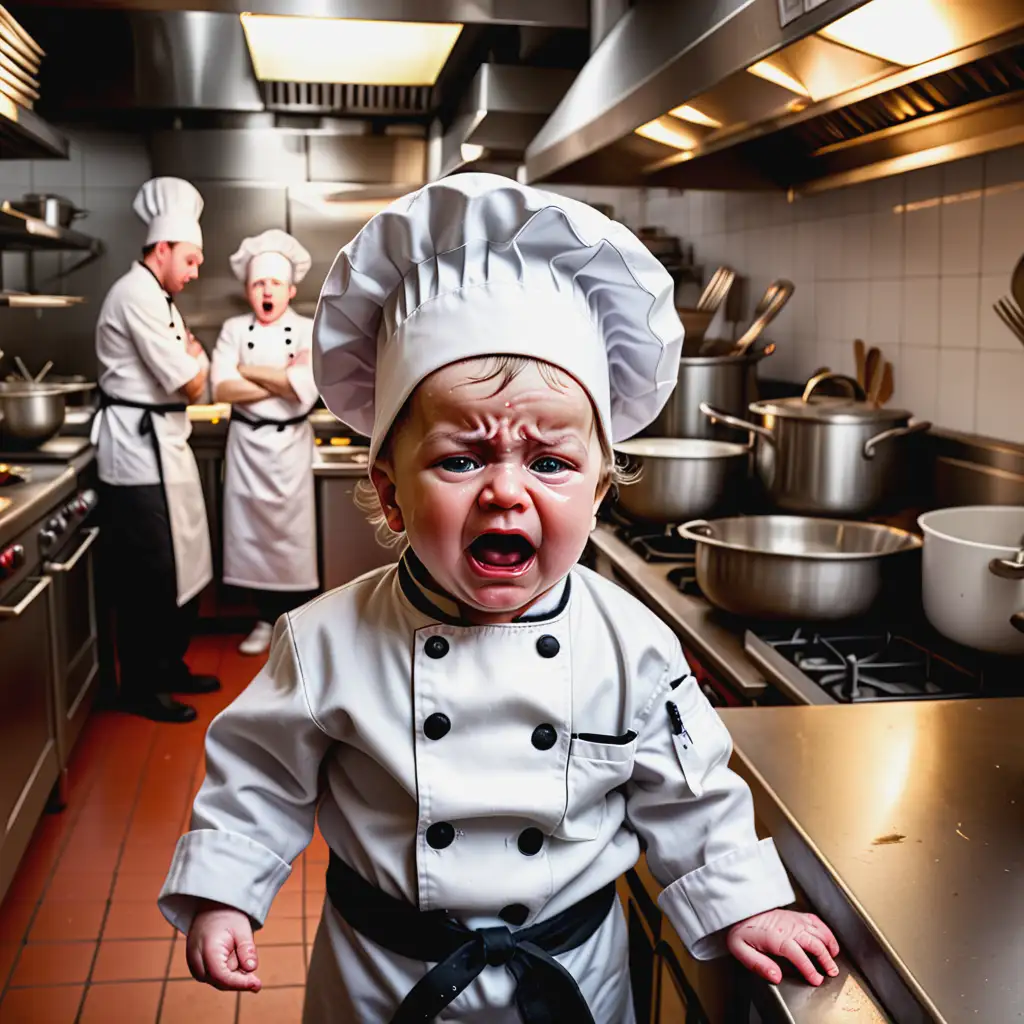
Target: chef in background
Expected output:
[261,365]
[157,543]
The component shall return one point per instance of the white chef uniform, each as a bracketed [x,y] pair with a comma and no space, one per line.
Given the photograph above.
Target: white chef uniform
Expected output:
[141,347]
[506,773]
[269,508]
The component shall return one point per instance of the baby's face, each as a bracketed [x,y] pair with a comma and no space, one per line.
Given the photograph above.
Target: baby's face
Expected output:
[496,490]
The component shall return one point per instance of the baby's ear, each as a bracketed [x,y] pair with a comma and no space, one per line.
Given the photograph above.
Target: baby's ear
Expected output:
[382,476]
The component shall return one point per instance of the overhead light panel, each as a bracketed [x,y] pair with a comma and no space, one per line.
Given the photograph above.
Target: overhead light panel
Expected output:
[772,73]
[666,132]
[294,49]
[695,116]
[906,32]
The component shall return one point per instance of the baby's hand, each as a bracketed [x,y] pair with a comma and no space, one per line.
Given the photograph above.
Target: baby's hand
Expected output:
[784,933]
[220,949]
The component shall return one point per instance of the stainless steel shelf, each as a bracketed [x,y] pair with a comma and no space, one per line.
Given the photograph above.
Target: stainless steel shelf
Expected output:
[29,234]
[23,300]
[24,135]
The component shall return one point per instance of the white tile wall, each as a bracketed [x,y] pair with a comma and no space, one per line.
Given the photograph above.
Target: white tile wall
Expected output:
[911,264]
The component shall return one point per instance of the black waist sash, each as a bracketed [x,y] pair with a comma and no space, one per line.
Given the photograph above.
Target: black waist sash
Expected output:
[149,410]
[546,993]
[259,421]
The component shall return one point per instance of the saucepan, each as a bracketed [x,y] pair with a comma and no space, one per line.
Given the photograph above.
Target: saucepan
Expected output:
[826,455]
[796,567]
[33,413]
[672,479]
[973,575]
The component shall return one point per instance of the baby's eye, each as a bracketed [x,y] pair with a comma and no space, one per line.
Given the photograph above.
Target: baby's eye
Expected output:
[549,464]
[459,464]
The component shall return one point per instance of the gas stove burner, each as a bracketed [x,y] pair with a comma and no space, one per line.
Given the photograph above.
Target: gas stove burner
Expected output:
[854,667]
[685,579]
[663,547]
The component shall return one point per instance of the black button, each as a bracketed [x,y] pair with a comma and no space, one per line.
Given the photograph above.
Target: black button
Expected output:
[514,913]
[179,337]
[544,737]
[252,327]
[440,835]
[548,646]
[291,355]
[287,341]
[252,344]
[436,726]
[531,840]
[436,647]
[171,324]
[288,329]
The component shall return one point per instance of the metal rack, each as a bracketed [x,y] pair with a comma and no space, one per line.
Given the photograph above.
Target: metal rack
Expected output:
[21,233]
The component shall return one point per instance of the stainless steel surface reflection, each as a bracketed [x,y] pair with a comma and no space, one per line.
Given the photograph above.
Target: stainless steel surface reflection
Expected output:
[904,823]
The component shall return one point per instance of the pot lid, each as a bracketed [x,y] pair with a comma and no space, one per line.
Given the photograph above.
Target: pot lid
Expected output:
[850,408]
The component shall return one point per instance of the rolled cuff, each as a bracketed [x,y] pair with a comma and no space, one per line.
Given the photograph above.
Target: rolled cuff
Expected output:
[226,867]
[722,893]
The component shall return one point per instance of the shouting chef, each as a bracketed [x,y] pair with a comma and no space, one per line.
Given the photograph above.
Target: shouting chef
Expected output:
[261,365]
[157,539]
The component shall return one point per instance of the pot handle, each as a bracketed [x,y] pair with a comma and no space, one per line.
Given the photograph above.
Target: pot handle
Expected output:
[734,421]
[1008,569]
[1017,621]
[698,527]
[890,435]
[856,391]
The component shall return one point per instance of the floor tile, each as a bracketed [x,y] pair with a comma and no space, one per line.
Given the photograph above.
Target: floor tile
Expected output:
[280,1005]
[136,920]
[132,960]
[314,904]
[179,965]
[14,919]
[134,1003]
[281,965]
[53,963]
[67,920]
[41,1005]
[189,1002]
[289,904]
[137,888]
[8,952]
[73,885]
[280,931]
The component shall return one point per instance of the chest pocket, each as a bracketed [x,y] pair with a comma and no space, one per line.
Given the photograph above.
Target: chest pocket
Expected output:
[699,736]
[597,765]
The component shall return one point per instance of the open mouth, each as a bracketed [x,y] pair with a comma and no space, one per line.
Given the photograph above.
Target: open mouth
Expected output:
[268,307]
[502,553]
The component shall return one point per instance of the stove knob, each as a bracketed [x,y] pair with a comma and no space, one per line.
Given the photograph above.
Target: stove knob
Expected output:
[89,499]
[59,522]
[11,559]
[47,538]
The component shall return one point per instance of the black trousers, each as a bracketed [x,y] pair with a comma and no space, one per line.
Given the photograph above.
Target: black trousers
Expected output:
[151,633]
[272,604]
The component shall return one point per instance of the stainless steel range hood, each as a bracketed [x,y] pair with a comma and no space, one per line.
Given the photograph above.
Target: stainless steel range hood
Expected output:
[804,95]
[502,111]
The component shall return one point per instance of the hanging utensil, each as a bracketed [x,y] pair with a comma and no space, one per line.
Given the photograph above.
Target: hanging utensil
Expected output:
[781,295]
[44,371]
[716,290]
[1010,313]
[860,361]
[23,369]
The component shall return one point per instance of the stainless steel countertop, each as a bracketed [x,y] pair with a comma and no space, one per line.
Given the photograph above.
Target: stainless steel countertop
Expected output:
[904,823]
[50,483]
[699,627]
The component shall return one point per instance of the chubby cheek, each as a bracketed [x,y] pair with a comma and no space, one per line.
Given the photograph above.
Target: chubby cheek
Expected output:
[435,515]
[566,517]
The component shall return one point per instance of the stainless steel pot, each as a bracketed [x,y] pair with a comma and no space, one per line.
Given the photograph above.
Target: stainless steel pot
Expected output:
[728,383]
[33,413]
[55,210]
[825,455]
[791,567]
[972,579]
[679,478]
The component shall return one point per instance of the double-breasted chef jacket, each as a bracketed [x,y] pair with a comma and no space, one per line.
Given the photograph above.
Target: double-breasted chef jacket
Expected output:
[141,347]
[501,773]
[269,504]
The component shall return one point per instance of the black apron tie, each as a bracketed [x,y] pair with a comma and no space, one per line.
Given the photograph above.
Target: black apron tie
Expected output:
[546,993]
[146,428]
[237,416]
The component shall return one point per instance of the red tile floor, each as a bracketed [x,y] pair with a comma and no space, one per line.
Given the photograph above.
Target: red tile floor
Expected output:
[81,939]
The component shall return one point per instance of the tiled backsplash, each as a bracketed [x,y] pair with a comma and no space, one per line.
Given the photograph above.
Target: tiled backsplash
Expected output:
[911,264]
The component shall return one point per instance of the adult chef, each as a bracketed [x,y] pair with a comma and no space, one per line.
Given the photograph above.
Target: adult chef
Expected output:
[157,540]
[262,366]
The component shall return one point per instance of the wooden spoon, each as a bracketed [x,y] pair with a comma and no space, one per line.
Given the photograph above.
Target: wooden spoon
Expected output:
[887,385]
[859,358]
[874,388]
[871,363]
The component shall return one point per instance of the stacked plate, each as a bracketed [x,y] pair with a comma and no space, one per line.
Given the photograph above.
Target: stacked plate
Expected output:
[20,56]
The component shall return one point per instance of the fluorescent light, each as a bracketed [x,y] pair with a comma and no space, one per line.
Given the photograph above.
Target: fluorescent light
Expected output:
[770,73]
[904,32]
[695,116]
[469,152]
[662,130]
[292,49]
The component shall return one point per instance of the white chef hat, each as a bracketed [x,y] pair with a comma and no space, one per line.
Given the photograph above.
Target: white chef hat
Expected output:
[476,265]
[172,208]
[274,253]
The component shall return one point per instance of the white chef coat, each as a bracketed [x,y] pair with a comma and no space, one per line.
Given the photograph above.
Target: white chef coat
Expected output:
[141,348]
[344,697]
[269,504]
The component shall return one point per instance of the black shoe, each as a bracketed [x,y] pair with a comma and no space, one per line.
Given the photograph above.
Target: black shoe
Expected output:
[159,708]
[195,684]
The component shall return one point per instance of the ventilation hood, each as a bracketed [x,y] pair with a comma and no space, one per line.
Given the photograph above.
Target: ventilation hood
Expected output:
[501,112]
[804,95]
